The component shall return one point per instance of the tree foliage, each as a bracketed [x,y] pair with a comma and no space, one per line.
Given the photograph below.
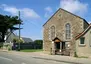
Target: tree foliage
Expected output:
[40,42]
[8,22]
[16,40]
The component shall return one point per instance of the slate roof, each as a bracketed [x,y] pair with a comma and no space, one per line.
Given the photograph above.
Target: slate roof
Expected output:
[85,31]
[27,40]
[11,35]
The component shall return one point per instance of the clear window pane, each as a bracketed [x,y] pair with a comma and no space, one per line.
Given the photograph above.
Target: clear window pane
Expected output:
[68,31]
[52,32]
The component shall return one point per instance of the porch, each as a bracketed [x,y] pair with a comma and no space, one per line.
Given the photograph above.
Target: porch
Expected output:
[60,47]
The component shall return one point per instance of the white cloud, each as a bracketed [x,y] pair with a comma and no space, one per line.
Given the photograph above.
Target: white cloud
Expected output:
[48,11]
[12,10]
[74,6]
[25,12]
[30,13]
[89,22]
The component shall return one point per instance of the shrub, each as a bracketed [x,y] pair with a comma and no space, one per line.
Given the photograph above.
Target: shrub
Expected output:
[1,44]
[7,46]
[75,54]
[16,40]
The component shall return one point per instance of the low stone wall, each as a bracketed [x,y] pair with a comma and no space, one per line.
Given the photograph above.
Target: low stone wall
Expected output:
[7,46]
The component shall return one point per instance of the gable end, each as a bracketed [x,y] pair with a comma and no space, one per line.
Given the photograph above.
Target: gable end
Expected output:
[67,12]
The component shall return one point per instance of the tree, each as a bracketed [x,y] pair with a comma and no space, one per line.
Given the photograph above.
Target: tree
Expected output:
[16,40]
[39,42]
[8,22]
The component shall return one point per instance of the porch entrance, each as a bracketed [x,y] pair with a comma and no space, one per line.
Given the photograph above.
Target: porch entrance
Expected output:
[57,45]
[59,48]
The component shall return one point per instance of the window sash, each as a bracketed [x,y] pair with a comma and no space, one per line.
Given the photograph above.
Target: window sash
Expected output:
[52,32]
[82,40]
[68,31]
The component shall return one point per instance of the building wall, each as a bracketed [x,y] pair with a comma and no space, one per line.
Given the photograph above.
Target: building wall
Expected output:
[59,20]
[10,38]
[84,50]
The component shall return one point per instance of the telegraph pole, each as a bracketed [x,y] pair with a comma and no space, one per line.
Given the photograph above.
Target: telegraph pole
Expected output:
[19,31]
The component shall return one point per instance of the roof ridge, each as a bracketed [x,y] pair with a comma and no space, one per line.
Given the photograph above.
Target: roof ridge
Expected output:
[51,16]
[67,12]
[79,35]
[71,13]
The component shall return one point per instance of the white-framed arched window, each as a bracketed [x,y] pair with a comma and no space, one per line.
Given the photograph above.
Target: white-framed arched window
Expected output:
[68,31]
[52,32]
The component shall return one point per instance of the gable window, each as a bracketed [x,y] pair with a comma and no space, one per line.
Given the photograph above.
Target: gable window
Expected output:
[68,31]
[52,32]
[82,40]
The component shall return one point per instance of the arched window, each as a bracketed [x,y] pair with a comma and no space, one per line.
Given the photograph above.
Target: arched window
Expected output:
[52,32]
[68,31]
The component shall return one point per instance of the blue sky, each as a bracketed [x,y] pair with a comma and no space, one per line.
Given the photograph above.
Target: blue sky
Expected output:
[35,13]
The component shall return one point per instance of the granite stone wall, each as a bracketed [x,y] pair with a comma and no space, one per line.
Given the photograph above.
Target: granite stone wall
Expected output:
[59,20]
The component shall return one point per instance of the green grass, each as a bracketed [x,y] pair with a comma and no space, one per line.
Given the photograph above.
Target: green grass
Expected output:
[83,57]
[31,50]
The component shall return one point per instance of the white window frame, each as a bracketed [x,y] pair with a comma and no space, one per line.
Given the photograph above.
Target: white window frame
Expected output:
[66,37]
[82,45]
[50,32]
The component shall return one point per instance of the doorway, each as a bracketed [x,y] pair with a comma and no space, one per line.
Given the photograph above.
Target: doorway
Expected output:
[57,44]
[60,48]
[57,48]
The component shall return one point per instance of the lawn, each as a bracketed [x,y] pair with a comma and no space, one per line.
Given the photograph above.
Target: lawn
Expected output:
[31,50]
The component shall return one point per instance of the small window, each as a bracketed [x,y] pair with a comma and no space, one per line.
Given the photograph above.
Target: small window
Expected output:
[82,40]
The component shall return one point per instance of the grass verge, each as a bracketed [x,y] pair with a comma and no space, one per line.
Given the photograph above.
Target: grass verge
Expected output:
[82,57]
[31,50]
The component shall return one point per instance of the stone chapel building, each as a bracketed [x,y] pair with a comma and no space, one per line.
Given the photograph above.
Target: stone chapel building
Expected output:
[61,32]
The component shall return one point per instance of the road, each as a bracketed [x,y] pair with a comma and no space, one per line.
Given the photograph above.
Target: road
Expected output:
[7,58]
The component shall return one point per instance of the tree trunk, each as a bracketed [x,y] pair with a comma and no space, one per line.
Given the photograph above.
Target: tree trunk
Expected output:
[2,34]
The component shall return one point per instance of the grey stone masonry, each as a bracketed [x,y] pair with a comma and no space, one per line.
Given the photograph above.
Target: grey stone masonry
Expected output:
[59,20]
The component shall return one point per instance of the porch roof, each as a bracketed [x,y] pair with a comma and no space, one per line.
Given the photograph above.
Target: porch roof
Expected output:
[56,39]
